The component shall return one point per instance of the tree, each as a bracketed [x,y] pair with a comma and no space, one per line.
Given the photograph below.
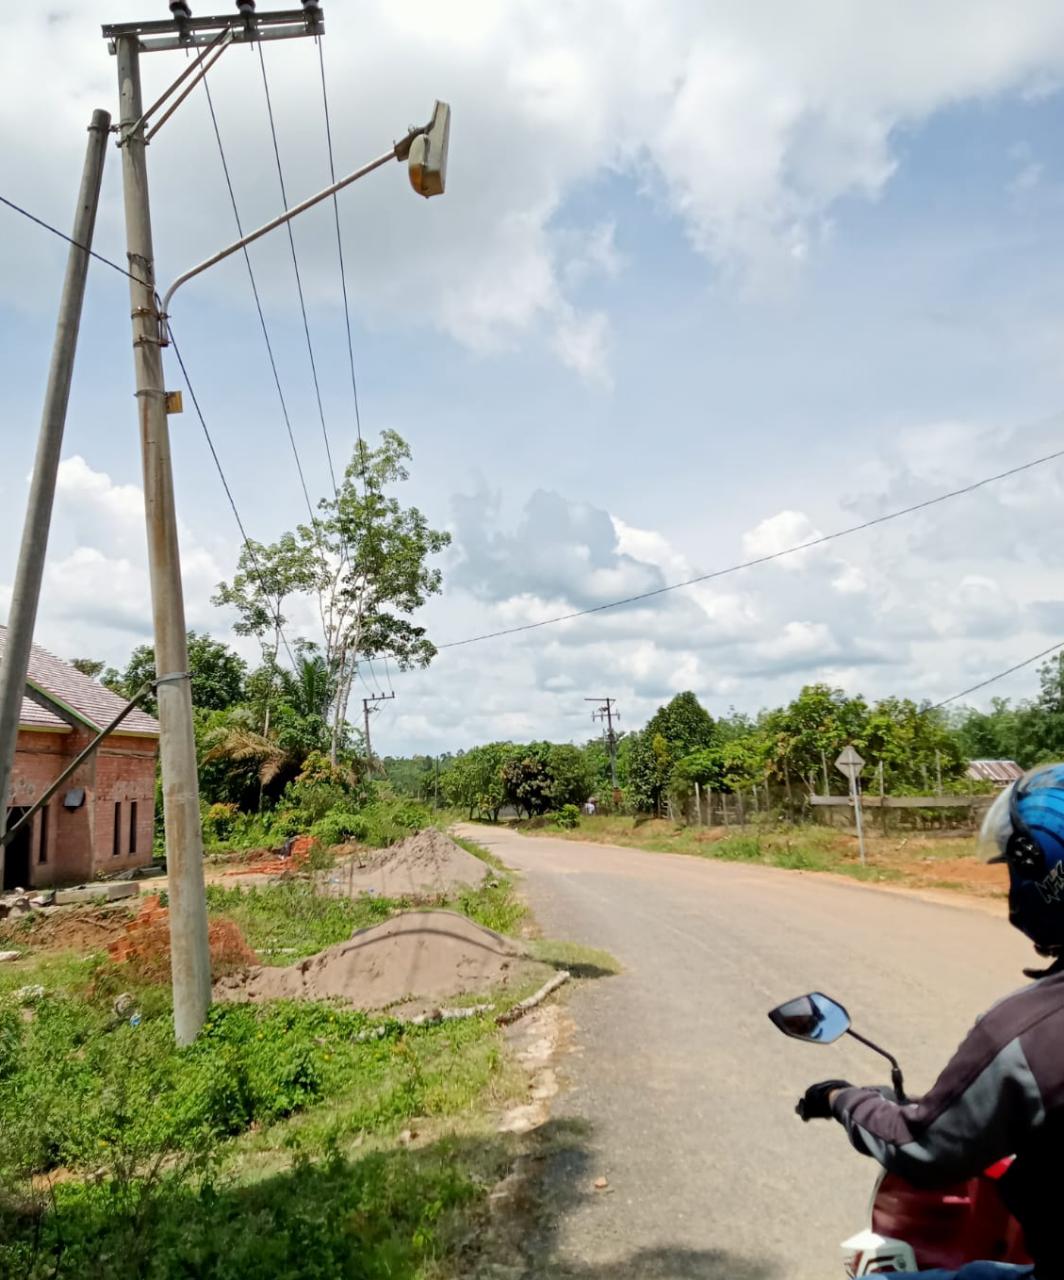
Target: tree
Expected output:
[88,667]
[218,674]
[811,732]
[474,780]
[266,576]
[675,730]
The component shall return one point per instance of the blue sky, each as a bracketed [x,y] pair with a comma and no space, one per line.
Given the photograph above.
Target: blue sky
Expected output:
[698,289]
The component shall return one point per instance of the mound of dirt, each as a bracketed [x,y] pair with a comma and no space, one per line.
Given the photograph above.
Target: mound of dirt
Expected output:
[426,865]
[69,928]
[419,956]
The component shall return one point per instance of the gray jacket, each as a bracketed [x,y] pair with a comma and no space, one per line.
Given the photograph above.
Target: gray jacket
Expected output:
[1001,1094]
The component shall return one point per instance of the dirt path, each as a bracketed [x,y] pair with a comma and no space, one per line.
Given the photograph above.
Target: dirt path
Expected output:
[679,1091]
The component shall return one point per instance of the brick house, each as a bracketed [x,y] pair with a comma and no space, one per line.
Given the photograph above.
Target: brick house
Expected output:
[102,820]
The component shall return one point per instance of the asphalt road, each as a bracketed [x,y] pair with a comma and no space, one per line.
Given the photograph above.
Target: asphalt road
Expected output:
[680,1092]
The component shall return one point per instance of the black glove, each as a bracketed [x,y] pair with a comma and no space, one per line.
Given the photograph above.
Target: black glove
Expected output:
[814,1105]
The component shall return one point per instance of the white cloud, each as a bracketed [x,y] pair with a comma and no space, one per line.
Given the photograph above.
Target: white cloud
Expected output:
[779,532]
[748,122]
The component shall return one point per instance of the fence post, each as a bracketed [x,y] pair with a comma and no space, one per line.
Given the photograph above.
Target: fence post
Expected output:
[698,802]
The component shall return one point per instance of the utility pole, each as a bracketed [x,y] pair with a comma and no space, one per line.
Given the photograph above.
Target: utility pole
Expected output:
[189,949]
[425,151]
[367,710]
[605,711]
[27,590]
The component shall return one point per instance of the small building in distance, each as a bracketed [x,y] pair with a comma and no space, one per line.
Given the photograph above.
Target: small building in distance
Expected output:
[999,772]
[103,818]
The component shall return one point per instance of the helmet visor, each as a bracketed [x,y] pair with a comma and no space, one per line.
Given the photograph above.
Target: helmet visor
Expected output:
[997,827]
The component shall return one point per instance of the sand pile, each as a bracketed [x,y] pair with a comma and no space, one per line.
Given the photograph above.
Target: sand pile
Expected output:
[419,956]
[426,865]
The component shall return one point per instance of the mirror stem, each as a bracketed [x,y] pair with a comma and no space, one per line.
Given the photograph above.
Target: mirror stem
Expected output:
[895,1070]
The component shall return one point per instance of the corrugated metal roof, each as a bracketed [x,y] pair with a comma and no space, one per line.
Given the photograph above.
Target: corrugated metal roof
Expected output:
[994,770]
[88,700]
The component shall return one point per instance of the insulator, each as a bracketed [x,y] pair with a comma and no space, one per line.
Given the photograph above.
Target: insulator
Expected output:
[180,9]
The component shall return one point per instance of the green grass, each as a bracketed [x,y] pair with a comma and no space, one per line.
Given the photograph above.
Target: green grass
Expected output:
[798,848]
[269,1146]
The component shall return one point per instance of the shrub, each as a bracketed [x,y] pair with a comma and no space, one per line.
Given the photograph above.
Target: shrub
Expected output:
[218,820]
[567,817]
[338,826]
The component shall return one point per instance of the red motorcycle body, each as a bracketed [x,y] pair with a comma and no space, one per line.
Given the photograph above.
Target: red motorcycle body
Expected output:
[945,1227]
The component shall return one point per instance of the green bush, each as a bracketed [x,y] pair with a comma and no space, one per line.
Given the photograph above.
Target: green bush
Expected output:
[218,820]
[566,818]
[339,826]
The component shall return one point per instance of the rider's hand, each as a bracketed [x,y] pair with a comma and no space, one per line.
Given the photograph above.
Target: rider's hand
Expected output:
[816,1104]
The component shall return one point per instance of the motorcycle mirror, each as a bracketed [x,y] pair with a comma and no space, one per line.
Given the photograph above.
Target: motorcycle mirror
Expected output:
[815,1018]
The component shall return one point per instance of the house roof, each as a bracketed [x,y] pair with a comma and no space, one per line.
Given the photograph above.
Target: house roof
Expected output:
[994,770]
[88,701]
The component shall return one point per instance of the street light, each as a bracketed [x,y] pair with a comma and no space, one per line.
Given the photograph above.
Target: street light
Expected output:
[423,148]
[428,154]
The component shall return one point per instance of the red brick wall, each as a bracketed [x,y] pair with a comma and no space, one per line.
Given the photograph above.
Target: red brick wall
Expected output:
[125,773]
[80,842]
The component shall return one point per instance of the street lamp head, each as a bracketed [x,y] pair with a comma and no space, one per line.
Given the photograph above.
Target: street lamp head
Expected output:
[428,154]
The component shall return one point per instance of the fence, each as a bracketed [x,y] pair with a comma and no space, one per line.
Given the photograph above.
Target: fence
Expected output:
[711,808]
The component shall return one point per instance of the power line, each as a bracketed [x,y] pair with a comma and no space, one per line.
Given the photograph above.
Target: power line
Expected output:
[340,255]
[258,307]
[228,492]
[765,559]
[388,674]
[995,678]
[295,267]
[77,244]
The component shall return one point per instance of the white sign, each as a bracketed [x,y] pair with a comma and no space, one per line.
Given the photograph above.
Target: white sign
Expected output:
[849,763]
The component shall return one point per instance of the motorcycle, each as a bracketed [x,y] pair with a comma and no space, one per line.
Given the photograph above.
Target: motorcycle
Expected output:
[911,1228]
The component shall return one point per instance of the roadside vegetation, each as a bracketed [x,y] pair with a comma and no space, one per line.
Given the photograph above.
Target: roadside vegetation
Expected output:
[301,1139]
[925,861]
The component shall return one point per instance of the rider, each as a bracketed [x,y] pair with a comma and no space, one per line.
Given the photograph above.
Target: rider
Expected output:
[1002,1093]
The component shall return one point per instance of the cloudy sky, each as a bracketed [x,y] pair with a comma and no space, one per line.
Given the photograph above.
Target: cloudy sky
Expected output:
[709,279]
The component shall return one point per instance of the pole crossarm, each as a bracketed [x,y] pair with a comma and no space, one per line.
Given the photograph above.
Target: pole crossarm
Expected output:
[193,33]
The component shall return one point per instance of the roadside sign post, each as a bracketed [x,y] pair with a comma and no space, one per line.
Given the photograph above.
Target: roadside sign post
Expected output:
[850,764]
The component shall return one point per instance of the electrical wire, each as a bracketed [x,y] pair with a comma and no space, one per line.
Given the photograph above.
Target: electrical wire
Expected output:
[228,491]
[776,555]
[71,241]
[295,267]
[340,255]
[388,674]
[258,307]
[765,559]
[1018,666]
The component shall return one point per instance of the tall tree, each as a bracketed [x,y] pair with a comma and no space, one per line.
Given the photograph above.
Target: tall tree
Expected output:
[370,557]
[267,576]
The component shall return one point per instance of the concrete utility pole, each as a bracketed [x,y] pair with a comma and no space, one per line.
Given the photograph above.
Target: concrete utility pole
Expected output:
[190,955]
[425,151]
[606,712]
[189,949]
[27,590]
[367,709]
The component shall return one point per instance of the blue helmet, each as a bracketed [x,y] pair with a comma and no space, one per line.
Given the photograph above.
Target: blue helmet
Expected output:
[1025,828]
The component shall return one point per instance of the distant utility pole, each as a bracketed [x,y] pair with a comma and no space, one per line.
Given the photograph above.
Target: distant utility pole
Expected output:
[27,590]
[190,954]
[367,710]
[605,711]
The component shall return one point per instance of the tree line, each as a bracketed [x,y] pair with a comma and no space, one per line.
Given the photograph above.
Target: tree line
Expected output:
[913,748]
